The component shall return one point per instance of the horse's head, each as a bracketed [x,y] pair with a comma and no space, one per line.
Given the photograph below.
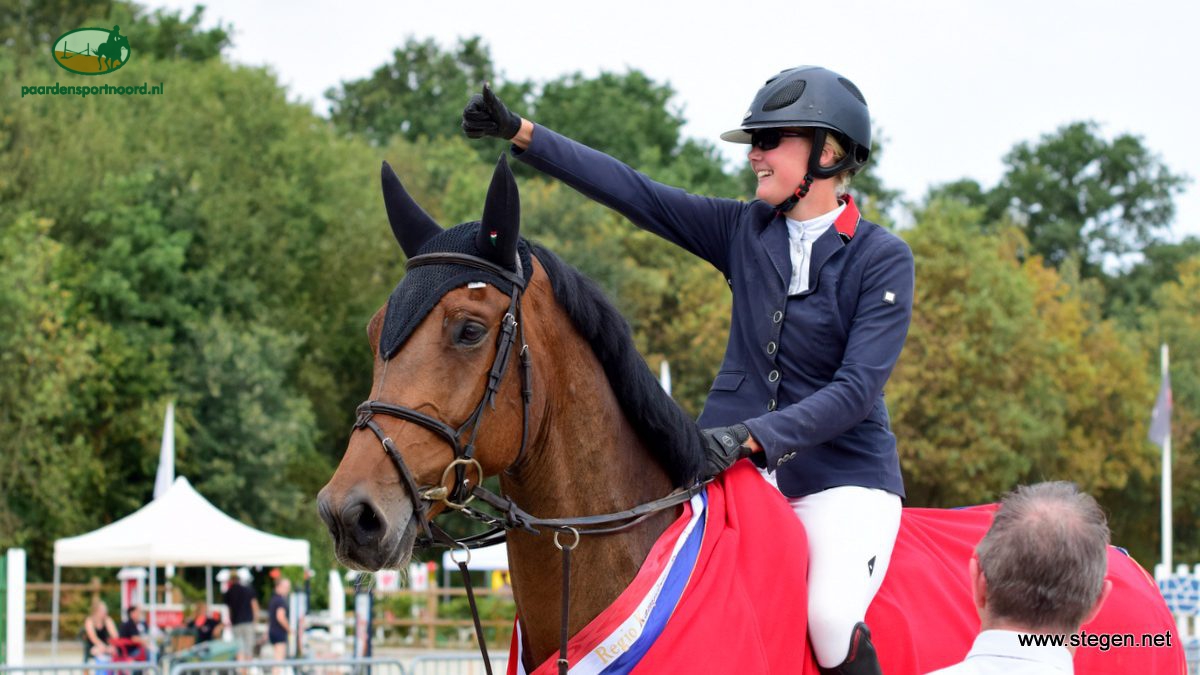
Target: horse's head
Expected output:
[446,401]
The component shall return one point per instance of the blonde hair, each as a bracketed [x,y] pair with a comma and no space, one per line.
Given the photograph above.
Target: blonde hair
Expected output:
[835,146]
[843,178]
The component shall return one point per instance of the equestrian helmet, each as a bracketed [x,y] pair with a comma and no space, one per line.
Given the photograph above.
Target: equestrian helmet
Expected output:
[811,96]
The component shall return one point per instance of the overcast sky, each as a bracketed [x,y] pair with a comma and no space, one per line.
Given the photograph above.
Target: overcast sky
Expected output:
[952,84]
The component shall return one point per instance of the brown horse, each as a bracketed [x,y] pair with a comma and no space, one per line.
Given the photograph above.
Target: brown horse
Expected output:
[581,427]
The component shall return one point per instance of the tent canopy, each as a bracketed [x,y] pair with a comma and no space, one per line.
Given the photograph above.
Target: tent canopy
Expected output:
[494,557]
[179,528]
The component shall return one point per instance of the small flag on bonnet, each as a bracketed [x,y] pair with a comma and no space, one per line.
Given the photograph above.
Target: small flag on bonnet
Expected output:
[1160,418]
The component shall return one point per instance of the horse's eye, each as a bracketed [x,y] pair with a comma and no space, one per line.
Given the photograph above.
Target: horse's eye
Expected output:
[470,334]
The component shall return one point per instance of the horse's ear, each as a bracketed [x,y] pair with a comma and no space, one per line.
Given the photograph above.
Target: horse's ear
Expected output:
[411,225]
[501,225]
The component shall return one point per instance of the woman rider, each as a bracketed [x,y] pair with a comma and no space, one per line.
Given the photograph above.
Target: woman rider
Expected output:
[821,305]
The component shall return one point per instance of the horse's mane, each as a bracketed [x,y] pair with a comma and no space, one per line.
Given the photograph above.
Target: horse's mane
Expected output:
[670,434]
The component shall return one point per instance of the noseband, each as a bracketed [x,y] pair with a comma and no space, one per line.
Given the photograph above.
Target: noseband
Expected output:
[460,493]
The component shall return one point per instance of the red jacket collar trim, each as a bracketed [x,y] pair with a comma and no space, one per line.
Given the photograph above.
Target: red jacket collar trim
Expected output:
[847,223]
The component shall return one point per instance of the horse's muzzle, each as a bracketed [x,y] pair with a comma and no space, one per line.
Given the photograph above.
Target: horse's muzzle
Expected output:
[362,536]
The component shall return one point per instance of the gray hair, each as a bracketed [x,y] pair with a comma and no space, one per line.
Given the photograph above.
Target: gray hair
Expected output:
[1045,557]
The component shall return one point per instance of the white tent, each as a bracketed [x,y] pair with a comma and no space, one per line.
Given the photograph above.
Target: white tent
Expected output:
[494,557]
[180,528]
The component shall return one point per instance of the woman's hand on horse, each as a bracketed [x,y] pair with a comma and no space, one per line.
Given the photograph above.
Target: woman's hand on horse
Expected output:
[486,115]
[725,445]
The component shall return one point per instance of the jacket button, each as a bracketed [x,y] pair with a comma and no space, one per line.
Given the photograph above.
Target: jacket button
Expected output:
[773,376]
[771,405]
[777,316]
[771,347]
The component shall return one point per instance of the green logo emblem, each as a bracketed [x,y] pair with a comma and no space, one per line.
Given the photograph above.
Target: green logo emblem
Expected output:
[91,51]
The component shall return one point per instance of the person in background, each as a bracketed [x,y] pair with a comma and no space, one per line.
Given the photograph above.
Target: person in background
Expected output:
[134,629]
[206,625]
[1038,571]
[98,633]
[243,610]
[277,621]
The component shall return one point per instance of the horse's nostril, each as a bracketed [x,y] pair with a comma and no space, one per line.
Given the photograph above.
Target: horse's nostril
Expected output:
[368,520]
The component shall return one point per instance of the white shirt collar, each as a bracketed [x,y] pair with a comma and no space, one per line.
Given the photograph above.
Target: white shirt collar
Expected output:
[1006,644]
[808,230]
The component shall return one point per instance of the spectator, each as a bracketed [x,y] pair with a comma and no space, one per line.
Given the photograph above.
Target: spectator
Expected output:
[243,609]
[277,622]
[98,632]
[1039,570]
[134,629]
[206,625]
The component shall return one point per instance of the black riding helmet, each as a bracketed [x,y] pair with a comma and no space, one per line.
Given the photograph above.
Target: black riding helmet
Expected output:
[811,96]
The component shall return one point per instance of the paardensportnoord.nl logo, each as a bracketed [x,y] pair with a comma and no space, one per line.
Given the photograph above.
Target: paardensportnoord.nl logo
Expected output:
[92,51]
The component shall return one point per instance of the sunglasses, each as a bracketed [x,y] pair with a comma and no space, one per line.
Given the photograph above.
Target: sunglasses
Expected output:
[769,139]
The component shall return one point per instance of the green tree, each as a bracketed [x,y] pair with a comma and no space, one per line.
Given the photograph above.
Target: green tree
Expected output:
[1010,376]
[1175,321]
[1078,195]
[46,355]
[165,34]
[624,115]
[1128,294]
[420,93]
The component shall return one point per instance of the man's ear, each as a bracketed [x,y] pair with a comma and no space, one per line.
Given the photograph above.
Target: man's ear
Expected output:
[1104,591]
[978,585]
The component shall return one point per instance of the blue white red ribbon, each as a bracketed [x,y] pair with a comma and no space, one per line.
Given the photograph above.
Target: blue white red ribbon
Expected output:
[630,626]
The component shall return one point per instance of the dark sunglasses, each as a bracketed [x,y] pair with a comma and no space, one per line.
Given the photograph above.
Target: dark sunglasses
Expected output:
[769,139]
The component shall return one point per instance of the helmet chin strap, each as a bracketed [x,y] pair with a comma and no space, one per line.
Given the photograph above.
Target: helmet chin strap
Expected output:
[800,193]
[814,170]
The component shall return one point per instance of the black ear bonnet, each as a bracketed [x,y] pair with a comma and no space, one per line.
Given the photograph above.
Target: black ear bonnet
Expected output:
[496,239]
[423,287]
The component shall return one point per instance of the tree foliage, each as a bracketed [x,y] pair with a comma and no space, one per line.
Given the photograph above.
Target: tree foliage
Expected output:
[422,92]
[1080,197]
[1009,376]
[1174,320]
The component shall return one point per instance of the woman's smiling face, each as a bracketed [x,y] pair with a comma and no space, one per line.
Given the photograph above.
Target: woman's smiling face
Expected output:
[781,168]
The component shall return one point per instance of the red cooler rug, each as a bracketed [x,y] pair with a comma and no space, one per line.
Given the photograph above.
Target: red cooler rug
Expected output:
[724,590]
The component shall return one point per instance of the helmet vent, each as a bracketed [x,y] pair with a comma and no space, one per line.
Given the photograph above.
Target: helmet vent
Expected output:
[853,90]
[786,96]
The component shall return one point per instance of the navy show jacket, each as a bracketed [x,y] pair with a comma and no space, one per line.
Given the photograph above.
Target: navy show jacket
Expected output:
[804,373]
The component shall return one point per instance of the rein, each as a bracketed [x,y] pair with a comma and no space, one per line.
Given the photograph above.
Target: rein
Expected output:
[461,492]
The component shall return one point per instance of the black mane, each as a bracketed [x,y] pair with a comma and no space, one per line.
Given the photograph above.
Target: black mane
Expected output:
[662,425]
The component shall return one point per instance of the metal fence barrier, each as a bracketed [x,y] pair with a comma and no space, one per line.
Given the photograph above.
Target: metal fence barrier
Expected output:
[347,666]
[90,668]
[455,664]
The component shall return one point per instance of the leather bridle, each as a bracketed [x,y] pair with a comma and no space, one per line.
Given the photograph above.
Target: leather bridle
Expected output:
[461,492]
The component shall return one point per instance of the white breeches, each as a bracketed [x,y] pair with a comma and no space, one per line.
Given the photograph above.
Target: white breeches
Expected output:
[851,533]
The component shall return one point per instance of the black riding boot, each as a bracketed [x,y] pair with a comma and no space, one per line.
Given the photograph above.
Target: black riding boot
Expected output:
[861,659]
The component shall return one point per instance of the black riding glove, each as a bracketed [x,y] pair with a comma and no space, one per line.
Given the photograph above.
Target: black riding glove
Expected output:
[485,115]
[723,446]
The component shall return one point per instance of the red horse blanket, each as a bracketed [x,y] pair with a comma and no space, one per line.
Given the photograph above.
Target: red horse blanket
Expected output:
[724,591]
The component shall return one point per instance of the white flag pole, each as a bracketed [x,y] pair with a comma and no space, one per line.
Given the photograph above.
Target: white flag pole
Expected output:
[166,455]
[1166,480]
